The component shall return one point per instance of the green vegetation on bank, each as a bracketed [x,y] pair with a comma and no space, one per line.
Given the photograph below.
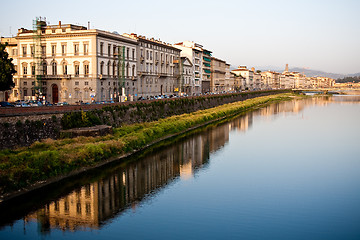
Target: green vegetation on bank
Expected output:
[43,160]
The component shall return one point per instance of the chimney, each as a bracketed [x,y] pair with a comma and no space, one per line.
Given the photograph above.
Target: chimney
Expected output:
[59,23]
[253,69]
[88,25]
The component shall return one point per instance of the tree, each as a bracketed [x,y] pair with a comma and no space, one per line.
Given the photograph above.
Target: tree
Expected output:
[7,69]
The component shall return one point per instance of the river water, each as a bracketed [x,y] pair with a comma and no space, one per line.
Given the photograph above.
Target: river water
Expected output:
[287,171]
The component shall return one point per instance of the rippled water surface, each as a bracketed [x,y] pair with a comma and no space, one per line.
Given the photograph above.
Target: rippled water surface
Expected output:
[288,171]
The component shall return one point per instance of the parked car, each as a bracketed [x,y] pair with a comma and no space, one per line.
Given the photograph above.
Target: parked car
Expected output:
[6,104]
[22,104]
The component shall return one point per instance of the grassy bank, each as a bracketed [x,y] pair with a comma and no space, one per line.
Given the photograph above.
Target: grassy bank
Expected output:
[44,160]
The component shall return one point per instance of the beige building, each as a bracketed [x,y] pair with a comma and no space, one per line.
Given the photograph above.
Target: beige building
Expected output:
[193,51]
[156,67]
[247,77]
[229,83]
[270,80]
[218,74]
[12,50]
[69,63]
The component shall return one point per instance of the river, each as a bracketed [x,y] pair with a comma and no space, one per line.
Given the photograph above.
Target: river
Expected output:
[287,171]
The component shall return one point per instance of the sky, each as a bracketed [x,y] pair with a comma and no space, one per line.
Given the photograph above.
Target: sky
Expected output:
[316,34]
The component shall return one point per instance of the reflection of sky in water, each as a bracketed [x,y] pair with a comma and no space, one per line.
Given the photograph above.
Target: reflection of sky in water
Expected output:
[288,171]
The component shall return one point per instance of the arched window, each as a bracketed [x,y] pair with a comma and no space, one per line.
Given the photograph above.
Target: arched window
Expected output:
[54,68]
[86,69]
[77,68]
[108,68]
[114,69]
[33,69]
[44,68]
[102,68]
[64,68]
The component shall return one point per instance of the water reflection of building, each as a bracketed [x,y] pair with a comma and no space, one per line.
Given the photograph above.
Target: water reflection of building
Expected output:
[93,204]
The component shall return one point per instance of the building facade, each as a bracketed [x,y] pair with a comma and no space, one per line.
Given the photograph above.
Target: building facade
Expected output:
[69,63]
[187,77]
[206,86]
[194,53]
[157,63]
[218,74]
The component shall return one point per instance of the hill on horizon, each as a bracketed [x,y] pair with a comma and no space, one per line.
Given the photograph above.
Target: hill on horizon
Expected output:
[307,72]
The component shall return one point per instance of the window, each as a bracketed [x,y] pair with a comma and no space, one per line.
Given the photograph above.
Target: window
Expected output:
[14,52]
[32,92]
[133,54]
[53,50]
[86,83]
[114,50]
[76,49]
[102,68]
[109,50]
[127,53]
[133,70]
[77,69]
[64,67]
[151,55]
[147,54]
[32,50]
[86,69]
[108,68]
[77,83]
[101,48]
[33,70]
[44,68]
[114,69]
[24,48]
[63,49]
[127,70]
[86,49]
[54,68]
[43,50]
[25,70]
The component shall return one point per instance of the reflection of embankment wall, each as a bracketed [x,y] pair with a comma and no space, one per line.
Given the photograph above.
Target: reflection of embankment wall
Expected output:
[28,127]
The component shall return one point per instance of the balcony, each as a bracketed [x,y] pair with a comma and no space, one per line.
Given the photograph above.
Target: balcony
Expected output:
[54,77]
[207,59]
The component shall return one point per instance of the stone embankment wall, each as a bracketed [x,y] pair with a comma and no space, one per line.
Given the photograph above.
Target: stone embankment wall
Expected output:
[22,128]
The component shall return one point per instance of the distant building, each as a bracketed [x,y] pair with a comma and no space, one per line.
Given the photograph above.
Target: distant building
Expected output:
[187,77]
[194,52]
[247,76]
[206,80]
[156,67]
[218,74]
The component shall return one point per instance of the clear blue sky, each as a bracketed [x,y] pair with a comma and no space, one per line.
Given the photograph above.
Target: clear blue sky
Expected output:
[317,34]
